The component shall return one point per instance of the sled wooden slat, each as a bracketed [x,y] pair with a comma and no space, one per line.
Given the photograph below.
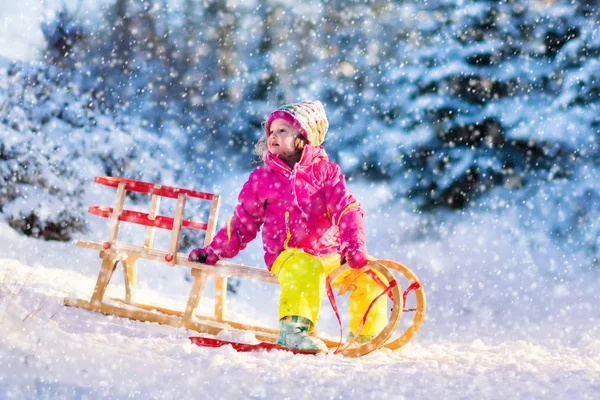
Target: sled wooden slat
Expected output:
[194,297]
[218,322]
[149,237]
[220,292]
[223,268]
[176,230]
[113,228]
[152,188]
[124,312]
[163,317]
[140,218]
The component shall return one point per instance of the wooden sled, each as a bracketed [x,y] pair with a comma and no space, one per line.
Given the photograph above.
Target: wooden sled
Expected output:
[113,252]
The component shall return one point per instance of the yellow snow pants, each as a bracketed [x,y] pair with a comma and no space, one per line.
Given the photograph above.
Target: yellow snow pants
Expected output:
[302,280]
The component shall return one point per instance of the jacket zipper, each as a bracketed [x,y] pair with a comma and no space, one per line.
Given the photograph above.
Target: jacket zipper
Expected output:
[288,231]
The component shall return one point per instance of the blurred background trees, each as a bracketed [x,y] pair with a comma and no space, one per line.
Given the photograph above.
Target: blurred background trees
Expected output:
[444,99]
[449,98]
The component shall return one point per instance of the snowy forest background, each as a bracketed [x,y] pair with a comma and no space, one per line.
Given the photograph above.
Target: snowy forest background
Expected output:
[467,106]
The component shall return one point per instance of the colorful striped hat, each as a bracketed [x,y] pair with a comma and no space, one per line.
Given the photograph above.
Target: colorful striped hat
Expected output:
[308,117]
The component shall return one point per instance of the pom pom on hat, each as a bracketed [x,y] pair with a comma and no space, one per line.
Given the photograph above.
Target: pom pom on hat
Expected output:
[308,117]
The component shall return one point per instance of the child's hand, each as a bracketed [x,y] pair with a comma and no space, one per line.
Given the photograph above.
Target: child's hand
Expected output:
[204,256]
[357,258]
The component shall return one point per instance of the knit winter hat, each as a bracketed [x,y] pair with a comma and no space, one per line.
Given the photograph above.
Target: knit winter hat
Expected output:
[308,117]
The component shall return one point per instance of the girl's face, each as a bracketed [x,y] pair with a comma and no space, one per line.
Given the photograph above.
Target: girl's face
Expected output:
[281,140]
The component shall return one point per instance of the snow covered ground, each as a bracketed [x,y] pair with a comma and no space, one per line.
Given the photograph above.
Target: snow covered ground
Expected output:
[499,324]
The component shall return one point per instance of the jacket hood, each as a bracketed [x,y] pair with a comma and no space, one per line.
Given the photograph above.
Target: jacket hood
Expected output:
[310,155]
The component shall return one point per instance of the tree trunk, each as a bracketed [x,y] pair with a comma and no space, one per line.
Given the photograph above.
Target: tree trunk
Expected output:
[123,35]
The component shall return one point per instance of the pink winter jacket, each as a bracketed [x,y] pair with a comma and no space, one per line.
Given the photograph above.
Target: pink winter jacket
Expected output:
[308,207]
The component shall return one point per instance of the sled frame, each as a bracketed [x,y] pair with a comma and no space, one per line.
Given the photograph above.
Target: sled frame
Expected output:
[112,252]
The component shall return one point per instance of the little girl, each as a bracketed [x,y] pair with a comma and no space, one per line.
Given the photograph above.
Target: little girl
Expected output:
[310,222]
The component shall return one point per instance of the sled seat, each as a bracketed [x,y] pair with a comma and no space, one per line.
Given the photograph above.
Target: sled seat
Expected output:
[112,252]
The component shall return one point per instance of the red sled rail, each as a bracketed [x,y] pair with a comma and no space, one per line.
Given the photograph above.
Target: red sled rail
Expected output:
[141,218]
[151,188]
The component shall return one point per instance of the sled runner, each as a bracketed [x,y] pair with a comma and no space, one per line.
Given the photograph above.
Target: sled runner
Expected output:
[243,347]
[112,252]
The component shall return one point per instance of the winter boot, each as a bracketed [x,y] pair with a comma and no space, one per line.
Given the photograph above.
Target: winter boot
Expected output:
[294,334]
